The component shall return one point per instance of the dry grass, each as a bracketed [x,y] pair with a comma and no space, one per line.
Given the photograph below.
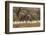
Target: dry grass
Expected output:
[26,25]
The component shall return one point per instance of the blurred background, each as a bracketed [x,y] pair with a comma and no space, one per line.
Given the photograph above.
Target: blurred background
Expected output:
[25,13]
